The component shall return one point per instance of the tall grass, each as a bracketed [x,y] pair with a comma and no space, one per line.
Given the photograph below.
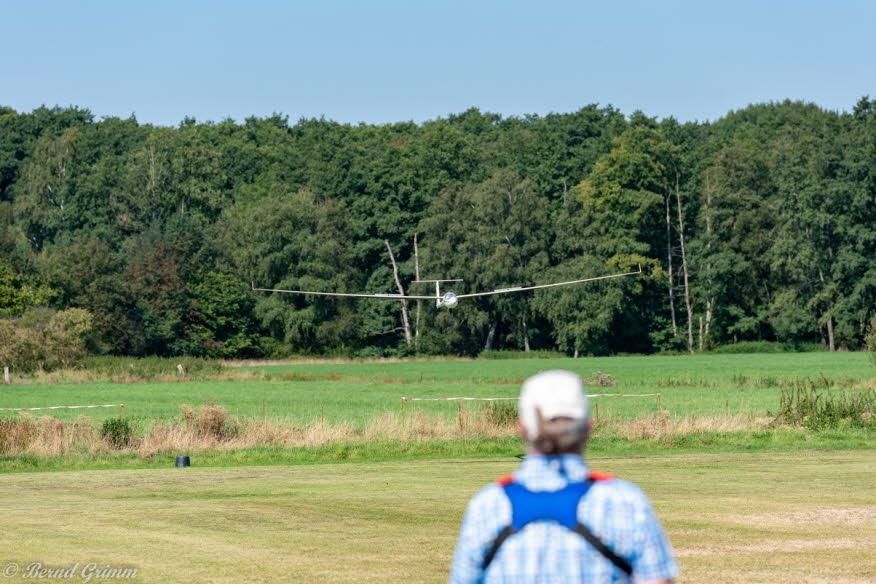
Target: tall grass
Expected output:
[540,354]
[816,407]
[148,368]
[210,427]
[135,370]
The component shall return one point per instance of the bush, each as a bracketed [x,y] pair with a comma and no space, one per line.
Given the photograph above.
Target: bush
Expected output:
[66,335]
[16,434]
[44,339]
[767,347]
[805,405]
[20,348]
[541,354]
[501,413]
[213,421]
[149,368]
[118,432]
[370,353]
[601,379]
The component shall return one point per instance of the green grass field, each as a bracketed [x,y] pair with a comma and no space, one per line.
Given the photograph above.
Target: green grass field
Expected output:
[770,518]
[774,505]
[357,392]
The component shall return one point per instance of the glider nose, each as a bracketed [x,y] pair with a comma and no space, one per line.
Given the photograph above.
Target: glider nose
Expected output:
[449,300]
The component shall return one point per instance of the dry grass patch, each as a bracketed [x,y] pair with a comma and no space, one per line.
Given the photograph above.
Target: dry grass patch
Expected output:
[665,425]
[210,427]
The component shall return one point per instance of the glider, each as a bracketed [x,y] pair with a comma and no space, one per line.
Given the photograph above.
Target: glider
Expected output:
[448,299]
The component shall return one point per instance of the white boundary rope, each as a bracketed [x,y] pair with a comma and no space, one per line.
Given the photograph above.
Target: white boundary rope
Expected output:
[59,408]
[407,399]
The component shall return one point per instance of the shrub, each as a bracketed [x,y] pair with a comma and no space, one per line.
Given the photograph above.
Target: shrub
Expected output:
[370,353]
[44,339]
[541,354]
[601,379]
[214,421]
[500,413]
[16,434]
[807,406]
[20,348]
[118,432]
[148,368]
[66,335]
[767,347]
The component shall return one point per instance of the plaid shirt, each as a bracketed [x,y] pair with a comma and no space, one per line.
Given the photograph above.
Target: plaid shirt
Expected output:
[616,511]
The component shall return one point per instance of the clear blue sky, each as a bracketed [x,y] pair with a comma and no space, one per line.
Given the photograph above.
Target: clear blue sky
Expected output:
[381,61]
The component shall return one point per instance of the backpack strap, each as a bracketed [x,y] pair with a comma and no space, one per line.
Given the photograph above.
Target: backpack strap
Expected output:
[506,532]
[559,506]
[603,549]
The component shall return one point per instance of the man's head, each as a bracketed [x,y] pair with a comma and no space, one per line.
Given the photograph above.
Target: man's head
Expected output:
[553,413]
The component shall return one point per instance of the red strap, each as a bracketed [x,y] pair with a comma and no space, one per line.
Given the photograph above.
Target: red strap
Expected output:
[505,479]
[595,475]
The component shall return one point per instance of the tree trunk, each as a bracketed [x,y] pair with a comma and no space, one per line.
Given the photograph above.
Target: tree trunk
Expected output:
[831,343]
[687,299]
[669,263]
[708,212]
[488,346]
[417,276]
[404,305]
[525,335]
[708,317]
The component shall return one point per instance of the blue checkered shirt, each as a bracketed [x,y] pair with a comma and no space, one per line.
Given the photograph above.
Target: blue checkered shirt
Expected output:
[615,510]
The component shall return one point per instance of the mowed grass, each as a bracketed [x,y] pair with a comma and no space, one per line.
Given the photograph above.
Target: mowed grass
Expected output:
[757,518]
[358,392]
[630,371]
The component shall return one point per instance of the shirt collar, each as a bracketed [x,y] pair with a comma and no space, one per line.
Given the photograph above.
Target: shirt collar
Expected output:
[540,470]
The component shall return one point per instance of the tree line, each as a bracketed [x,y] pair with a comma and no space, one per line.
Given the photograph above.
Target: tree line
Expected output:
[758,226]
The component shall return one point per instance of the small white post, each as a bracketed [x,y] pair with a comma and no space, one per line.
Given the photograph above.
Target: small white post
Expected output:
[6,374]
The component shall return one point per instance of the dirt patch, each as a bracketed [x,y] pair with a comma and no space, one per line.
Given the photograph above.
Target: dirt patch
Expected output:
[843,515]
[763,547]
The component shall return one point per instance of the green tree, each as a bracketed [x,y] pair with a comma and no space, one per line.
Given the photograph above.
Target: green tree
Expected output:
[224,325]
[86,273]
[494,235]
[623,203]
[295,242]
[17,293]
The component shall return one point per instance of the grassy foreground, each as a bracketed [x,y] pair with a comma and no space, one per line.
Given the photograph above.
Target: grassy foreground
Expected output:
[758,518]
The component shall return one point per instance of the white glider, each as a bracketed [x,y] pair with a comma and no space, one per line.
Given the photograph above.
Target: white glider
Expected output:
[448,299]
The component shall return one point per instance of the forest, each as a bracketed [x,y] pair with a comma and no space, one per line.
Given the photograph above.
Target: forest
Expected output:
[123,238]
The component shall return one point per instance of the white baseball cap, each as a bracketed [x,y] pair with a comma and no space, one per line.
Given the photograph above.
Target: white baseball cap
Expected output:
[556,394]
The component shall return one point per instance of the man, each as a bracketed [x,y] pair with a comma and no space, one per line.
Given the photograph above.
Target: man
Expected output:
[554,520]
